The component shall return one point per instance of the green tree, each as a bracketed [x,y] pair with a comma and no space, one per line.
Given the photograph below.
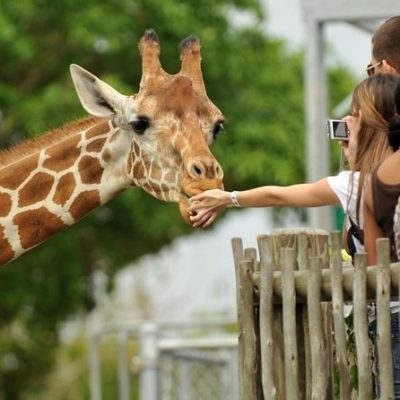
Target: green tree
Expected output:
[252,78]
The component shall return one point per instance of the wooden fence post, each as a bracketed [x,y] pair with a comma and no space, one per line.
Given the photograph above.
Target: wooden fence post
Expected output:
[249,352]
[361,327]
[383,319]
[266,317]
[289,323]
[338,318]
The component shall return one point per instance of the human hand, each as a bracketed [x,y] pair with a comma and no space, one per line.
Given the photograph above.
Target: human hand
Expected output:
[350,146]
[206,206]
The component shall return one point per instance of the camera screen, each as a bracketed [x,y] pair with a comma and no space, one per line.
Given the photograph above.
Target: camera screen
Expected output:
[339,129]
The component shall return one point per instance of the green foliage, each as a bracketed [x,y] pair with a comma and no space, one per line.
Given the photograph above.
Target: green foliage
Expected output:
[250,77]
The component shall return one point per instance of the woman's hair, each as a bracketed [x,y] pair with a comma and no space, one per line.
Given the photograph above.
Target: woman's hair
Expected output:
[375,99]
[386,42]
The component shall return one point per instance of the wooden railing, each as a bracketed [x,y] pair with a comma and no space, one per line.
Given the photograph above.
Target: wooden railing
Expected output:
[293,339]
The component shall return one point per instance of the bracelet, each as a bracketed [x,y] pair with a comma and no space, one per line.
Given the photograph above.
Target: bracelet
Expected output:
[234,198]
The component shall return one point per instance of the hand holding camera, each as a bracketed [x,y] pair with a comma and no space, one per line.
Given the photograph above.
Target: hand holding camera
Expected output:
[338,129]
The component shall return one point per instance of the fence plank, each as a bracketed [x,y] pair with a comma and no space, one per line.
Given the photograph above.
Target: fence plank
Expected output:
[266,317]
[318,350]
[338,318]
[289,323]
[384,337]
[238,254]
[303,333]
[247,336]
[301,279]
[361,327]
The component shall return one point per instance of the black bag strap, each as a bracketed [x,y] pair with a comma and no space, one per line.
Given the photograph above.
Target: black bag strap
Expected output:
[356,231]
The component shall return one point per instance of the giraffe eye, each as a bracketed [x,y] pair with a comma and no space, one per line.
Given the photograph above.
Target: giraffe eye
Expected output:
[218,127]
[140,125]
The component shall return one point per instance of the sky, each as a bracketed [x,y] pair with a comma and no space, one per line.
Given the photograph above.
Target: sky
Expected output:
[347,44]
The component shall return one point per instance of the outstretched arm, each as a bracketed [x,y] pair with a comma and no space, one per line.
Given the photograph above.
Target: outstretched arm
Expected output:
[371,229]
[207,205]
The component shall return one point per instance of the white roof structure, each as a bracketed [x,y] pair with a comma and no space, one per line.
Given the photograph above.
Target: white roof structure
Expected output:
[363,14]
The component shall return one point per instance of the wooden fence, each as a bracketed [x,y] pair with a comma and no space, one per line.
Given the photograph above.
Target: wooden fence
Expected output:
[293,337]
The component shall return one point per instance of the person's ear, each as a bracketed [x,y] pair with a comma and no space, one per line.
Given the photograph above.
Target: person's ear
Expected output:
[389,68]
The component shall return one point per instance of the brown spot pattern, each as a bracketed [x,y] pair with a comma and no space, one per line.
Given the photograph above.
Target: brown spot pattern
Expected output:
[37,225]
[156,174]
[138,170]
[106,155]
[37,189]
[170,176]
[97,130]
[5,204]
[84,203]
[90,170]
[6,251]
[63,155]
[12,178]
[96,145]
[64,189]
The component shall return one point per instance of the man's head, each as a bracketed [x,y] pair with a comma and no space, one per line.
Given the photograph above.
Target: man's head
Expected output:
[385,55]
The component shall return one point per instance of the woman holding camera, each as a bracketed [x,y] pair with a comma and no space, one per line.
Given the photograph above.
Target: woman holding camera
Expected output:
[367,146]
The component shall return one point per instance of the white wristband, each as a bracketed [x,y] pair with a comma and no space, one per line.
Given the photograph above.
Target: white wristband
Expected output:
[234,198]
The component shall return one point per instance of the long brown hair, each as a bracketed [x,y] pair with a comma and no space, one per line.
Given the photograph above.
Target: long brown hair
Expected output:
[374,97]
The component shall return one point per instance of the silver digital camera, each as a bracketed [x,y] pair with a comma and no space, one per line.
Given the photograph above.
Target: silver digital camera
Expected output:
[337,129]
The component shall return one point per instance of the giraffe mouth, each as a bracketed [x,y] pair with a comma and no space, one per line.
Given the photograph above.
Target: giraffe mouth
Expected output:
[184,202]
[183,205]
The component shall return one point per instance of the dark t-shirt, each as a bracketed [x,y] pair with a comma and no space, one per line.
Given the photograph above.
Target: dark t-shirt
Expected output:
[385,199]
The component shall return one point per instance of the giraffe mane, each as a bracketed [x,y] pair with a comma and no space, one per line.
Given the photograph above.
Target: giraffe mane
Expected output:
[25,149]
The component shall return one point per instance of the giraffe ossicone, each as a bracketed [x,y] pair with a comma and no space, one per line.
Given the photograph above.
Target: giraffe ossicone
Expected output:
[157,139]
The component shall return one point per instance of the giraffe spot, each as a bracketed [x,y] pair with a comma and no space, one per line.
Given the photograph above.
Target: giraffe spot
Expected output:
[5,204]
[106,156]
[12,178]
[90,170]
[37,189]
[138,170]
[84,203]
[164,187]
[63,155]
[96,145]
[64,189]
[156,174]
[6,251]
[99,129]
[35,226]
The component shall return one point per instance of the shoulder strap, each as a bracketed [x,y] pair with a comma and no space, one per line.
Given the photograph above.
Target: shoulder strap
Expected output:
[356,231]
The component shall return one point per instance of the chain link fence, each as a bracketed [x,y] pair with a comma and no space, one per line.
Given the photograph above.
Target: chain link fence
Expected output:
[199,374]
[174,361]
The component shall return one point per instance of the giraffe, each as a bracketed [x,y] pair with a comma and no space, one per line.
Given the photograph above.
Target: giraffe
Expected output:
[157,139]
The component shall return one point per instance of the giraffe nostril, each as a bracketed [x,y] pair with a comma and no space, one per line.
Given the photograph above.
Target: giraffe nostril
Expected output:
[196,170]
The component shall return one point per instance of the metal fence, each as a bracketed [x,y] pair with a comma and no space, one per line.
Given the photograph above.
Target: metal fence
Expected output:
[192,361]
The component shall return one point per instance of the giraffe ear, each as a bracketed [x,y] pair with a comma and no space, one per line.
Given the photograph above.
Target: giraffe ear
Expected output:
[97,97]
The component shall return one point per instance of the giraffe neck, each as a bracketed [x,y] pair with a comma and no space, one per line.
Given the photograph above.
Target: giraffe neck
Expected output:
[49,184]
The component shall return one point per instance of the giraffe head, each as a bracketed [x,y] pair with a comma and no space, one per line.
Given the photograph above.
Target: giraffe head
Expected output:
[170,122]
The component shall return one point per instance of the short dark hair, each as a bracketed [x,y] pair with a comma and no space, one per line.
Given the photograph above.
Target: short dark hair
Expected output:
[386,42]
